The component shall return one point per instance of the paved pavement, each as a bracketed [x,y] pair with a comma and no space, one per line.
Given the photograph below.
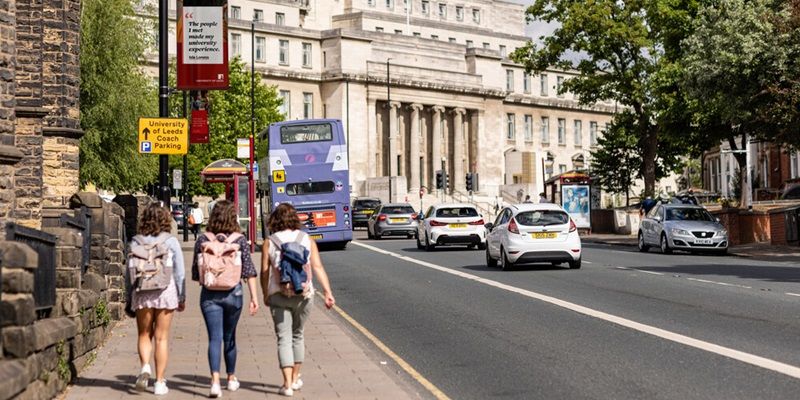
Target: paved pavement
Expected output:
[340,363]
[756,251]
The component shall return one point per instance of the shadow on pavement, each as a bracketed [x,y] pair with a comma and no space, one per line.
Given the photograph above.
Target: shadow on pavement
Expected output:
[204,383]
[764,273]
[518,268]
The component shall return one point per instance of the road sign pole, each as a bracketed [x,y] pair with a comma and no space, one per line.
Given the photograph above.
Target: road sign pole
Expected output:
[185,185]
[163,92]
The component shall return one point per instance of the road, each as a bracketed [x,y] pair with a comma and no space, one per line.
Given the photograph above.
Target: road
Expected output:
[626,326]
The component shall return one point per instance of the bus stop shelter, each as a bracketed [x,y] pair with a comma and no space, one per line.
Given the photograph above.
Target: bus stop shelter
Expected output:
[234,175]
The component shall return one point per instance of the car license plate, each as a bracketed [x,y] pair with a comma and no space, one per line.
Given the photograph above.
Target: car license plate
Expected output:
[703,241]
[457,226]
[368,211]
[397,220]
[316,237]
[544,235]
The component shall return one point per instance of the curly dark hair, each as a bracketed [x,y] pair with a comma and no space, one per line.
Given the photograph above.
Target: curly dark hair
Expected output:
[223,218]
[155,219]
[283,217]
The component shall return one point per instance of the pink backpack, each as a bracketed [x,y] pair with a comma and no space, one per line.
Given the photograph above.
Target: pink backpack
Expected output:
[220,263]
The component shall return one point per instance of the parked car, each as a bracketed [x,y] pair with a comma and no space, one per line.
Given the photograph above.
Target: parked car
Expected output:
[177,214]
[451,224]
[682,227]
[790,191]
[363,208]
[533,233]
[394,219]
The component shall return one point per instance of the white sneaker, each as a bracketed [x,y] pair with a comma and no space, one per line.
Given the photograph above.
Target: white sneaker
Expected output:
[233,385]
[288,392]
[160,388]
[298,384]
[143,379]
[216,391]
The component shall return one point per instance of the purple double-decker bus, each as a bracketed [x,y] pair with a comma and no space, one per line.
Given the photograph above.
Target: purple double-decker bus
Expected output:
[308,168]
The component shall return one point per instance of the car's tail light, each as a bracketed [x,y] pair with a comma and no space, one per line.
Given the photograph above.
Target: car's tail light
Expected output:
[437,223]
[382,217]
[572,226]
[414,216]
[478,222]
[346,208]
[512,226]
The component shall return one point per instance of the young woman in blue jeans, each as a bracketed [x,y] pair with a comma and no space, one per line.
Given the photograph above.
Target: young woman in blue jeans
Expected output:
[221,309]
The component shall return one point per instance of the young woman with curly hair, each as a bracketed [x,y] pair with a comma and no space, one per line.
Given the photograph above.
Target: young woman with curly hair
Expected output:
[154,308]
[290,310]
[221,308]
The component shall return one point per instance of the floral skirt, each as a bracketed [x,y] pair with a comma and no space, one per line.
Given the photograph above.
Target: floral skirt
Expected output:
[166,299]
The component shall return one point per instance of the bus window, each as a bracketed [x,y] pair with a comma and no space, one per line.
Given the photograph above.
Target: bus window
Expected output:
[294,189]
[306,133]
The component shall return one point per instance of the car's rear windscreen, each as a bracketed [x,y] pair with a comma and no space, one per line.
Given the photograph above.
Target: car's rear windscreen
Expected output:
[456,212]
[397,210]
[306,133]
[542,218]
[367,203]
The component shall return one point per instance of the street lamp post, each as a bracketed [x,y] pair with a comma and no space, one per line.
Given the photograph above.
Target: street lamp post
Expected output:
[163,93]
[251,179]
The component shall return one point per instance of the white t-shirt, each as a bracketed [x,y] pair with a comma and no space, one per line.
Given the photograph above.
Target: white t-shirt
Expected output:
[275,258]
[197,213]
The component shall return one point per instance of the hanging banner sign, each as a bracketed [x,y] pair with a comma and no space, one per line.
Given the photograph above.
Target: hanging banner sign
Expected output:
[243,148]
[202,37]
[198,132]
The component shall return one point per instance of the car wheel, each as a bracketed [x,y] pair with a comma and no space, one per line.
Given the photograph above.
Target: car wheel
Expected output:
[428,245]
[665,245]
[369,234]
[470,247]
[723,252]
[642,246]
[555,264]
[490,262]
[505,264]
[410,236]
[575,264]
[419,244]
[482,246]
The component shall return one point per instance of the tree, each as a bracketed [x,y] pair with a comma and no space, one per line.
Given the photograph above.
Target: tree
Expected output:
[627,52]
[615,161]
[114,93]
[229,119]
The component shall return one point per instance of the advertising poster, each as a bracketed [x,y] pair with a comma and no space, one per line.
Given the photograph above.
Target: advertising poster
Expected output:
[202,37]
[576,201]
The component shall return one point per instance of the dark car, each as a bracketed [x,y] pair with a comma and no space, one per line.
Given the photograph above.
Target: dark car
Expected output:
[363,208]
[177,214]
[791,191]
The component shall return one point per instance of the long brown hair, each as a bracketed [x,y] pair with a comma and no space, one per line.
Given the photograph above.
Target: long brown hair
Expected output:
[223,218]
[155,219]
[284,217]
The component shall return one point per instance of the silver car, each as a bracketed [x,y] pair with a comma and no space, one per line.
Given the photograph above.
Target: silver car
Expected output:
[682,227]
[392,219]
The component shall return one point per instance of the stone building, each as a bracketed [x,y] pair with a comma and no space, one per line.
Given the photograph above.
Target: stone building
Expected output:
[454,100]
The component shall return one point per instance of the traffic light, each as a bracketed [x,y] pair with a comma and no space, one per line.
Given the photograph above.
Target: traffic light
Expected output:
[469,182]
[439,179]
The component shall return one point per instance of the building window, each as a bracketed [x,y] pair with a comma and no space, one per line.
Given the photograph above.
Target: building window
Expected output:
[417,34]
[562,168]
[476,15]
[545,130]
[562,131]
[510,80]
[286,103]
[371,3]
[236,12]
[398,32]
[459,13]
[469,44]
[526,83]
[378,29]
[435,37]
[511,128]
[308,105]
[528,128]
[406,6]
[451,40]
[324,59]
[559,84]
[503,51]
[426,6]
[280,19]
[307,54]
[486,45]
[389,3]
[443,10]
[283,52]
[593,133]
[258,15]
[794,158]
[261,48]
[543,84]
[236,44]
[577,131]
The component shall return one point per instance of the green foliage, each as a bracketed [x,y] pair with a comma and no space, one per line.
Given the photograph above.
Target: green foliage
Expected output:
[615,161]
[229,119]
[114,94]
[101,315]
[62,367]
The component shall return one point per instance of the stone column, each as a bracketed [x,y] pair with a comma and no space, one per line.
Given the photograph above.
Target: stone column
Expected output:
[436,143]
[9,154]
[413,149]
[392,148]
[458,150]
[373,139]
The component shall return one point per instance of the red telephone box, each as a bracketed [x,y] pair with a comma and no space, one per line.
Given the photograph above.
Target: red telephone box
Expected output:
[234,175]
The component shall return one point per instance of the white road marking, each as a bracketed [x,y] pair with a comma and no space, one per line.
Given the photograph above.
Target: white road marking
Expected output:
[752,359]
[639,270]
[793,294]
[719,283]
[587,262]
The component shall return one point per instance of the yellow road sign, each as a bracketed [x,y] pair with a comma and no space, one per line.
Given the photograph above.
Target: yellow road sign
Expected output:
[163,136]
[279,176]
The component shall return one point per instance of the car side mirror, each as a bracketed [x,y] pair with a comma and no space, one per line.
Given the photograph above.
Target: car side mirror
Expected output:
[719,221]
[657,218]
[489,225]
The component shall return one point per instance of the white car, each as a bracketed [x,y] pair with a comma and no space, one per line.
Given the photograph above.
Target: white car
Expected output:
[449,224]
[533,233]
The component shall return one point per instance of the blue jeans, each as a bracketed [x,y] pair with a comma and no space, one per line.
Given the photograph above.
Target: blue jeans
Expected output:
[221,311]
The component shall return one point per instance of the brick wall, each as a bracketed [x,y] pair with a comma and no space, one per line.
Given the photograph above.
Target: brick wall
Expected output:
[9,155]
[777,228]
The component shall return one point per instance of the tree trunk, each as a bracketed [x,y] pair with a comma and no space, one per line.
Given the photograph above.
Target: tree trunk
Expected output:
[649,153]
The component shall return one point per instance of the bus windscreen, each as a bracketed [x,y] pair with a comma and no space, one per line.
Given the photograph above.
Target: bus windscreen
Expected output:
[306,133]
[294,189]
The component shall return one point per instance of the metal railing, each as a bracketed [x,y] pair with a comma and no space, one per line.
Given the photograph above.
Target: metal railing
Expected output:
[44,277]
